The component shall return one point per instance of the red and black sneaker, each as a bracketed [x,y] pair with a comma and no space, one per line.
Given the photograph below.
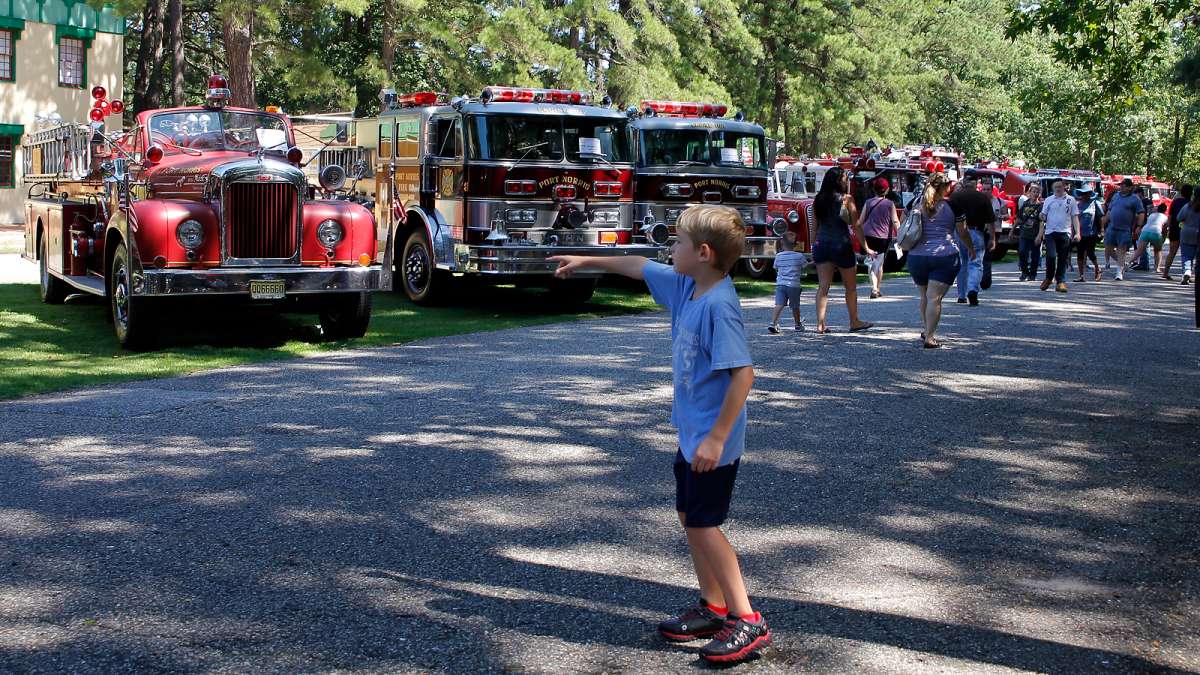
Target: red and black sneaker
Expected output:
[695,622]
[738,641]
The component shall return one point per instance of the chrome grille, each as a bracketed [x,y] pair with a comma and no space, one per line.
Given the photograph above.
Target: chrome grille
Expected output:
[260,220]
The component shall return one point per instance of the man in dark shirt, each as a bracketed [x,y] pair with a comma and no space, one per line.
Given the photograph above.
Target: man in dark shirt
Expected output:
[981,218]
[1173,233]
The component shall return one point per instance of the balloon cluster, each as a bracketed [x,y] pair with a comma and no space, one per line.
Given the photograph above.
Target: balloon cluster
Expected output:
[102,107]
[934,167]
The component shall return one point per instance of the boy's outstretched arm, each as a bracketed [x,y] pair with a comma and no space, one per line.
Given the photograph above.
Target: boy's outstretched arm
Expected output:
[708,455]
[629,266]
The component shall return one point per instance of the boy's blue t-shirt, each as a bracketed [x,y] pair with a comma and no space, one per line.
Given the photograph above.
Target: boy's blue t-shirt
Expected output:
[708,338]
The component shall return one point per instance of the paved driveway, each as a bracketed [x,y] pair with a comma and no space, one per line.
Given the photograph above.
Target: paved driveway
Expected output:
[1025,499]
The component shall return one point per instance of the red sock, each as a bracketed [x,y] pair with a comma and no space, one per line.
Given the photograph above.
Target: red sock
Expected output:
[719,610]
[753,617]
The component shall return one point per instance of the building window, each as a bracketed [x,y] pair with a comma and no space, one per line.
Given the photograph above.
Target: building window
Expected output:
[8,171]
[71,62]
[7,62]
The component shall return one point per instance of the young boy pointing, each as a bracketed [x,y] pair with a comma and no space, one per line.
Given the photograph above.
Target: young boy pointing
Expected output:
[712,377]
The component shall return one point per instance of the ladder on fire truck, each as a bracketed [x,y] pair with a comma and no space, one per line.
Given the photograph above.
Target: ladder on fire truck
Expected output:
[62,153]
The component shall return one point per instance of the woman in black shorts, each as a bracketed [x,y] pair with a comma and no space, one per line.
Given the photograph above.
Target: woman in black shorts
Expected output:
[834,210]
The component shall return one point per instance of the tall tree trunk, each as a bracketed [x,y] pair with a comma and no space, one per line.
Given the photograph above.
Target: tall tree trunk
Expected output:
[145,78]
[175,44]
[238,29]
[387,51]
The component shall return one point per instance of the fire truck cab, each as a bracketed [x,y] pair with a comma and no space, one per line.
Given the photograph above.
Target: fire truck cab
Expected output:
[492,186]
[690,154]
[792,185]
[196,201]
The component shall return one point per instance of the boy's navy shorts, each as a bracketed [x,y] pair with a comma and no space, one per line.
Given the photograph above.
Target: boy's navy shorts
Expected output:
[703,498]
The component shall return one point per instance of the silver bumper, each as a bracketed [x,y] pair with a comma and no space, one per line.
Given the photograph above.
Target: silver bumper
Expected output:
[760,248]
[532,259]
[296,280]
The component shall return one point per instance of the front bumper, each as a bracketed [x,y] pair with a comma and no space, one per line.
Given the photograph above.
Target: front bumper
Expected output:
[520,259]
[760,248]
[236,281]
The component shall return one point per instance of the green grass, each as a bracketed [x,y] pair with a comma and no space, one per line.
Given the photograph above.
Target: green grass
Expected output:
[47,348]
[53,347]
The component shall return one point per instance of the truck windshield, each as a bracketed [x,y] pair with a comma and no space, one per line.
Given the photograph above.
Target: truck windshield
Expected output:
[219,130]
[736,148]
[670,147]
[540,138]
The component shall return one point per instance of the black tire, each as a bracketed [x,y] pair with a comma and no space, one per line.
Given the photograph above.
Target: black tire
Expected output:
[131,321]
[571,292]
[759,268]
[51,289]
[346,315]
[422,282]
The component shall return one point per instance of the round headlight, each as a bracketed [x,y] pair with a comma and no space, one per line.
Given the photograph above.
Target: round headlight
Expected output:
[190,234]
[329,233]
[793,216]
[778,227]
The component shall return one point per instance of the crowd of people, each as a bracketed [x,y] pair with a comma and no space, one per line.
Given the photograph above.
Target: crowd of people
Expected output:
[959,228]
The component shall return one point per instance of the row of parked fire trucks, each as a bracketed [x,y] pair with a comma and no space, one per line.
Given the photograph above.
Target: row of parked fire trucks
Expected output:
[215,200]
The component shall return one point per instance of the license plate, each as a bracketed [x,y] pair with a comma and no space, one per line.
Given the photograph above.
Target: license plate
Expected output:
[267,289]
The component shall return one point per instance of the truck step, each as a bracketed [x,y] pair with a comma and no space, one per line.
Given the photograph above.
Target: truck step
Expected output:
[86,283]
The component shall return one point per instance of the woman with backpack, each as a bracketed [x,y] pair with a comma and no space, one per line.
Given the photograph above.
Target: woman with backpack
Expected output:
[933,258]
[878,223]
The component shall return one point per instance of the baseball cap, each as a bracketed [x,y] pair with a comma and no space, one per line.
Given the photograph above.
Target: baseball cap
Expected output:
[883,183]
[971,173]
[1127,181]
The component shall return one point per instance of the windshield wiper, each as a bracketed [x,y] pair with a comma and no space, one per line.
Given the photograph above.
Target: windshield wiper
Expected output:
[689,162]
[528,149]
[187,151]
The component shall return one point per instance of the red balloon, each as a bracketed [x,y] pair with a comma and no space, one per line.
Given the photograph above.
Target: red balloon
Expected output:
[97,115]
[939,167]
[105,107]
[97,103]
[117,107]
[99,93]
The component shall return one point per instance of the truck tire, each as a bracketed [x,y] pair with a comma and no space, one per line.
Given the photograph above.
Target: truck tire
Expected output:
[420,278]
[571,292]
[759,268]
[346,315]
[131,321]
[51,289]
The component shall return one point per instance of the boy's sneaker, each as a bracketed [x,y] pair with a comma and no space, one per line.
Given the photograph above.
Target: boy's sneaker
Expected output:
[695,622]
[973,298]
[738,640]
[773,329]
[800,327]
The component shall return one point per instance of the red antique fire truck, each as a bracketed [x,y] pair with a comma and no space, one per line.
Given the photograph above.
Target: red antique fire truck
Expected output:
[189,202]
[688,154]
[492,186]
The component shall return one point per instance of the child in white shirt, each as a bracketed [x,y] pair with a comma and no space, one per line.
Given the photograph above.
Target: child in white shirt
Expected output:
[789,270]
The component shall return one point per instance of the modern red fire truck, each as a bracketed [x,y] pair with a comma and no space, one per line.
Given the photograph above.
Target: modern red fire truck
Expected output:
[194,202]
[687,154]
[491,186]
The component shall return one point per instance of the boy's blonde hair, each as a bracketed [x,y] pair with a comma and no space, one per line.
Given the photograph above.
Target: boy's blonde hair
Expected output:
[720,227]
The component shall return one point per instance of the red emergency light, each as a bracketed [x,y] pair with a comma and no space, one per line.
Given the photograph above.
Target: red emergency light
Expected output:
[529,95]
[685,109]
[417,99]
[218,92]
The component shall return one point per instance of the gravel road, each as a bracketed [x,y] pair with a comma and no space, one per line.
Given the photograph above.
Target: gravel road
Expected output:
[1025,499]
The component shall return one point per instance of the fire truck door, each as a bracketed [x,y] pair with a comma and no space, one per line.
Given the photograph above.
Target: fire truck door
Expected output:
[444,171]
[55,239]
